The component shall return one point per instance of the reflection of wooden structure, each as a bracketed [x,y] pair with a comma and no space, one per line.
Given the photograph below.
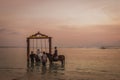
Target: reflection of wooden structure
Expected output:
[41,37]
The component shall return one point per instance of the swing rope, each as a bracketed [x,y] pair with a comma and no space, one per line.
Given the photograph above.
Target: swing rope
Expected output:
[45,46]
[36,44]
[41,46]
[33,44]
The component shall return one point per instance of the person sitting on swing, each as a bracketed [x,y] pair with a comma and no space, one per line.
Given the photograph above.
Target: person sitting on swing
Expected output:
[55,55]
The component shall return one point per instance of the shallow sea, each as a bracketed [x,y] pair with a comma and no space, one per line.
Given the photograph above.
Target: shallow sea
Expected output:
[80,64]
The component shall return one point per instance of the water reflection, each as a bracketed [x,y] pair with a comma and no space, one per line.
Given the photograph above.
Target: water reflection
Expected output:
[49,68]
[44,70]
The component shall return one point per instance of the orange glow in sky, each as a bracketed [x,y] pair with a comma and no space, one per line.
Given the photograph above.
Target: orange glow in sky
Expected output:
[71,23]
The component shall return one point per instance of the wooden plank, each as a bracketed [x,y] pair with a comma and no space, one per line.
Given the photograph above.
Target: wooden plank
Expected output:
[39,37]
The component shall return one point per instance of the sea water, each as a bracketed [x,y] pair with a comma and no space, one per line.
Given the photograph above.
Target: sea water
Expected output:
[80,64]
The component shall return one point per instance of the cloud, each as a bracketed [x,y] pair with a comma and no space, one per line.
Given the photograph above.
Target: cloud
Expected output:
[110,28]
[2,30]
[8,31]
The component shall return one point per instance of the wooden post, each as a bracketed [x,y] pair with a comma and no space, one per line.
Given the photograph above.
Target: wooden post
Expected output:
[28,49]
[50,46]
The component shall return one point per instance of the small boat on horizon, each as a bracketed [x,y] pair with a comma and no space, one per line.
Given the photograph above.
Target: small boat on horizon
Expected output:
[102,48]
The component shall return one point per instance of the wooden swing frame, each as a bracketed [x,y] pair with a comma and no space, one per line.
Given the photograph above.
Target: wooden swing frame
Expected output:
[36,36]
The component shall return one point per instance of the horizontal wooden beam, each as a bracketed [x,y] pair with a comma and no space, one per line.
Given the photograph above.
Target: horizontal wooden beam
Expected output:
[40,38]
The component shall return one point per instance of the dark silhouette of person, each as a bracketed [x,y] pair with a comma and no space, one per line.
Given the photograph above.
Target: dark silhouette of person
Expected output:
[37,58]
[44,59]
[55,55]
[32,56]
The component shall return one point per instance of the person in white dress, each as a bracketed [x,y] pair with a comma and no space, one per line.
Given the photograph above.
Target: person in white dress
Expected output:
[39,54]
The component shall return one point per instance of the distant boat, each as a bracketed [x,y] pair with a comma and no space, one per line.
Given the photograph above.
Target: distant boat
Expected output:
[102,48]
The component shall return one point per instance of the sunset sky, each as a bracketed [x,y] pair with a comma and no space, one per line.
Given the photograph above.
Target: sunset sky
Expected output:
[71,23]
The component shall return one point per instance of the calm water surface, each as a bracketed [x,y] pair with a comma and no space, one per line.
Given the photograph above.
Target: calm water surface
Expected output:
[80,64]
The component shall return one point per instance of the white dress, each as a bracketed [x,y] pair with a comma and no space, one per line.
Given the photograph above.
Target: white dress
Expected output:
[39,55]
